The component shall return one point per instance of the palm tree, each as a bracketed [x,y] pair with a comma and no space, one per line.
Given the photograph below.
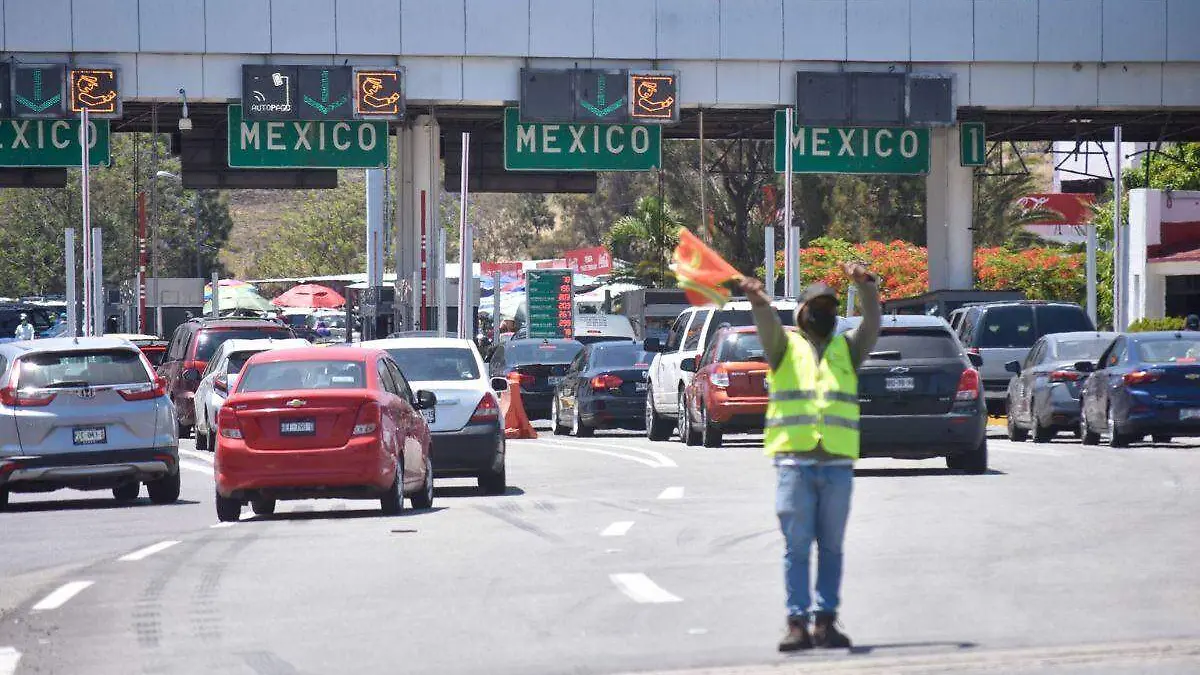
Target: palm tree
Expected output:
[647,238]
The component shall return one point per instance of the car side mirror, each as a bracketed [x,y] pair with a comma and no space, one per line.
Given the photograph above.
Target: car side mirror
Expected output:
[975,359]
[426,400]
[1085,366]
[191,375]
[500,384]
[1013,367]
[688,365]
[652,345]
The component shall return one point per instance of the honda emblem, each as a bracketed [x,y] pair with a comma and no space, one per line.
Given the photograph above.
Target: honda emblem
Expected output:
[86,393]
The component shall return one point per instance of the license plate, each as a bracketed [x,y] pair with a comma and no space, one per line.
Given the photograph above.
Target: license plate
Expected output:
[90,435]
[297,428]
[430,415]
[1189,414]
[554,380]
[640,387]
[899,384]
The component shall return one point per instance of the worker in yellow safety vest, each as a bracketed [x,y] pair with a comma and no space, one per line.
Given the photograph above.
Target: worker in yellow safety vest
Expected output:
[812,436]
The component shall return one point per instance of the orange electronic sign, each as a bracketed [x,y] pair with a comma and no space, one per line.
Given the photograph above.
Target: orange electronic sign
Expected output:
[94,90]
[654,96]
[379,93]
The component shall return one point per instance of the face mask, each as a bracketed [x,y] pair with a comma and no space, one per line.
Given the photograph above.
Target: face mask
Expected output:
[820,321]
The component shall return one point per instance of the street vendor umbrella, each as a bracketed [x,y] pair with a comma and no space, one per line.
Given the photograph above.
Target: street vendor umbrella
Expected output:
[310,295]
[235,298]
[223,284]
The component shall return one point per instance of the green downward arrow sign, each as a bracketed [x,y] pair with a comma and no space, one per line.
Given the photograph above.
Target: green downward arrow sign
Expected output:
[601,108]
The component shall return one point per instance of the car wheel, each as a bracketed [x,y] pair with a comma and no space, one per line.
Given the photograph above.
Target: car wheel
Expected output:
[392,501]
[1161,439]
[1016,433]
[578,427]
[203,442]
[1040,433]
[424,498]
[494,482]
[556,419]
[1116,439]
[165,490]
[972,462]
[263,507]
[657,428]
[687,433]
[127,492]
[710,434]
[229,510]
[1086,435]
[184,430]
[3,499]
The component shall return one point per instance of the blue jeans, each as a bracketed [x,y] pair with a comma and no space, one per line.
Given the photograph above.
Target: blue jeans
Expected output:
[813,503]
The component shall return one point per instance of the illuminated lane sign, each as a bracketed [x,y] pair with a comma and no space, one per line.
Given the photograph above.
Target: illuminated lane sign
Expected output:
[852,150]
[279,144]
[379,93]
[95,90]
[538,146]
[654,97]
[550,299]
[325,93]
[37,91]
[51,143]
[270,92]
[601,95]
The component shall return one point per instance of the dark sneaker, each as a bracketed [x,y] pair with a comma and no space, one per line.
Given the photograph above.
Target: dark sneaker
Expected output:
[797,637]
[825,633]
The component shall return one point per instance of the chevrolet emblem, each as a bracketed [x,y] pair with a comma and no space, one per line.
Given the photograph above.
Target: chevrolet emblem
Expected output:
[296,403]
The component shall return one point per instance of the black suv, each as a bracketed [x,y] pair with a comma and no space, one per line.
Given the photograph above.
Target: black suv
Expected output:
[193,344]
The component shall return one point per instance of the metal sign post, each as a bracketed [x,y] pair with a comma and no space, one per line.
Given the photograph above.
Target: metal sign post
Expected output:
[791,280]
[72,300]
[496,308]
[98,298]
[769,260]
[85,192]
[466,271]
[1121,239]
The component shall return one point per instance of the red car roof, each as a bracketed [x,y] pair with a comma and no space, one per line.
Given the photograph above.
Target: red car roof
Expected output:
[359,354]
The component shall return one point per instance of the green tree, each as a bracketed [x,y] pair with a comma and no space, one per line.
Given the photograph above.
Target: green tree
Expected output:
[324,235]
[647,238]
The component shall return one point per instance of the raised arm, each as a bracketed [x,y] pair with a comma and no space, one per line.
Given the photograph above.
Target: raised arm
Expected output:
[863,336]
[770,330]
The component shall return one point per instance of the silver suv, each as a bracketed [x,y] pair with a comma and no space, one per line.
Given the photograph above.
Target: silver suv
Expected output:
[86,414]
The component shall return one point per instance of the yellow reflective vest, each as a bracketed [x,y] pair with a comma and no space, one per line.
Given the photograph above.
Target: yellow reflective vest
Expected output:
[813,401]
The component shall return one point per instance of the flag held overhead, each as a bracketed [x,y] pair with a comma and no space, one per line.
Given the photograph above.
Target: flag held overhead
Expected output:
[701,272]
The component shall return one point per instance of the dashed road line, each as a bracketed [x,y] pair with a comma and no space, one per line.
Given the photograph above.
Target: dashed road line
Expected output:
[220,525]
[142,554]
[650,458]
[640,588]
[61,595]
[9,659]
[617,529]
[671,493]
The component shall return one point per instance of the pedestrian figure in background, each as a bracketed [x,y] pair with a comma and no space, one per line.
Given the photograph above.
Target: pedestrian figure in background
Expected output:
[812,436]
[1192,322]
[24,329]
[113,324]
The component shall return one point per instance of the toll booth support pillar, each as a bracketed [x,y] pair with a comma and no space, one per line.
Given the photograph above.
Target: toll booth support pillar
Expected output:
[949,211]
[419,171]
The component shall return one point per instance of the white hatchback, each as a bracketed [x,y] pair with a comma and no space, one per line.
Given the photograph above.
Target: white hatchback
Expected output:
[221,375]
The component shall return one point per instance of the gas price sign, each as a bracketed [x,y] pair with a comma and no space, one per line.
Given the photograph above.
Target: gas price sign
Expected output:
[550,297]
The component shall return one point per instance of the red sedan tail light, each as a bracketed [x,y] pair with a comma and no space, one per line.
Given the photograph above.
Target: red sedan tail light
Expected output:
[1066,376]
[144,392]
[606,381]
[488,410]
[368,419]
[968,385]
[228,424]
[1142,376]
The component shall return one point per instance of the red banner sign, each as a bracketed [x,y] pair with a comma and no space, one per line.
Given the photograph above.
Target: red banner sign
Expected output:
[490,268]
[558,264]
[594,261]
[1071,209]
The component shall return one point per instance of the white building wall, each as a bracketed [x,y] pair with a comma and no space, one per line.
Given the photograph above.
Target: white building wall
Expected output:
[1148,209]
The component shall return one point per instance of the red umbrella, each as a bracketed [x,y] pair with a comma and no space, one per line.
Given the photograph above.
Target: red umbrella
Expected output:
[309,295]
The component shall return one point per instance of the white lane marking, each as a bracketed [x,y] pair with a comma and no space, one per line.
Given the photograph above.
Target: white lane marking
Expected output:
[639,588]
[195,454]
[199,468]
[61,595]
[142,554]
[9,658]
[617,529]
[657,460]
[662,459]
[671,493]
[220,525]
[1040,451]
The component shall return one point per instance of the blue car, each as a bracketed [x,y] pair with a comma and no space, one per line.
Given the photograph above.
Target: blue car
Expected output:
[604,388]
[1145,384]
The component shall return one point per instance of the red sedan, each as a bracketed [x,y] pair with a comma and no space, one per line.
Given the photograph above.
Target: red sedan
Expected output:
[729,391]
[322,422]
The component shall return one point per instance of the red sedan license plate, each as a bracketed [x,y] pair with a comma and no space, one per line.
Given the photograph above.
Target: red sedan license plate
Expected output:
[297,428]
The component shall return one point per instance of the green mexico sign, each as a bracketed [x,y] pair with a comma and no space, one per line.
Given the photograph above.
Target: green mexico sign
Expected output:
[261,144]
[51,143]
[539,146]
[852,150]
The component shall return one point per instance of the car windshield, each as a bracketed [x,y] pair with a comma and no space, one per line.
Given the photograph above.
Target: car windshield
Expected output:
[209,340]
[541,352]
[743,317]
[237,360]
[1081,350]
[1181,350]
[82,369]
[1008,327]
[154,354]
[928,343]
[444,364]
[621,356]
[1053,319]
[741,347]
[295,320]
[291,375]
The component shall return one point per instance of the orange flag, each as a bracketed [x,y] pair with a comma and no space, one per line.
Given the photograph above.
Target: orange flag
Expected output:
[701,272]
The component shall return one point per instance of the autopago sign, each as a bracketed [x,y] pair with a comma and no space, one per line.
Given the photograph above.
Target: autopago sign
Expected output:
[293,144]
[539,146]
[852,150]
[51,143]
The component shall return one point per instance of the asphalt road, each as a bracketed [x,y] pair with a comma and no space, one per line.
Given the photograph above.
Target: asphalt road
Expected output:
[617,555]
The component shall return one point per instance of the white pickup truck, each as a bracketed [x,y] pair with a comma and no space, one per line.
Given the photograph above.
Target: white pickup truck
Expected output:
[688,337]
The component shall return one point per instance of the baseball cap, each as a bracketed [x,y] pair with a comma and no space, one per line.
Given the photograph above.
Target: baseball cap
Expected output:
[818,290]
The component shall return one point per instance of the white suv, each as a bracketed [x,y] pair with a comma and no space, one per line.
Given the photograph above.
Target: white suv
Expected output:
[688,337]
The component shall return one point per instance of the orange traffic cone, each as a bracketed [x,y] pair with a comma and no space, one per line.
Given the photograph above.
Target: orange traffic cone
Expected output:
[516,422]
